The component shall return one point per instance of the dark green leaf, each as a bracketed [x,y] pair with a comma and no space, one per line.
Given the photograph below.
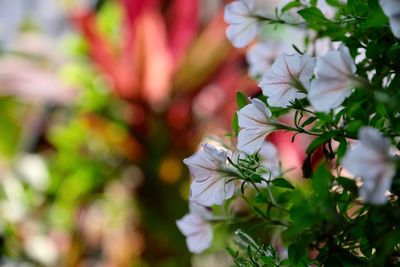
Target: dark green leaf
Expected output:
[283,183]
[308,121]
[342,147]
[319,141]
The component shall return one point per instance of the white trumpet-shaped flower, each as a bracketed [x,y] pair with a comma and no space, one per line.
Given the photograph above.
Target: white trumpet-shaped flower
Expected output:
[370,159]
[391,8]
[262,55]
[288,79]
[269,160]
[335,79]
[211,183]
[196,228]
[255,123]
[243,22]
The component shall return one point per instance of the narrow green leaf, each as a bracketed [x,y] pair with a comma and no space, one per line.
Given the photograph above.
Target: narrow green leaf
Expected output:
[308,121]
[283,183]
[342,147]
[235,124]
[291,5]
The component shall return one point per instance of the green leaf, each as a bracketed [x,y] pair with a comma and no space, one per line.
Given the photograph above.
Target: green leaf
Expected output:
[241,99]
[357,8]
[372,50]
[322,139]
[353,127]
[312,15]
[321,181]
[335,3]
[308,121]
[291,5]
[394,54]
[297,253]
[283,183]
[235,124]
[375,20]
[342,147]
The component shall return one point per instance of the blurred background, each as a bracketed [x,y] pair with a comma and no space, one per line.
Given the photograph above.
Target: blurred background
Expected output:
[100,100]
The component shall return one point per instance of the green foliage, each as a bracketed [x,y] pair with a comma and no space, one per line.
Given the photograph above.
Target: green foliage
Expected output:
[10,114]
[281,182]
[322,221]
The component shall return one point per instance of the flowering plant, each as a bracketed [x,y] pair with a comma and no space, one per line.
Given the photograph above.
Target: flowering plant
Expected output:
[345,209]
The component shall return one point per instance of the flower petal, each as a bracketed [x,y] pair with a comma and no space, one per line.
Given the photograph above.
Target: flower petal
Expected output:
[254,114]
[334,81]
[198,232]
[211,191]
[376,193]
[205,164]
[243,25]
[241,34]
[237,12]
[395,25]
[369,159]
[390,7]
[281,81]
[200,241]
[251,140]
[326,94]
[190,224]
[255,124]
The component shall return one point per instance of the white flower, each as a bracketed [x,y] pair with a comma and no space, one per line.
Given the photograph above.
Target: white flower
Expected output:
[391,8]
[14,12]
[370,160]
[288,79]
[255,123]
[261,55]
[196,228]
[243,22]
[269,159]
[33,169]
[42,249]
[335,79]
[210,179]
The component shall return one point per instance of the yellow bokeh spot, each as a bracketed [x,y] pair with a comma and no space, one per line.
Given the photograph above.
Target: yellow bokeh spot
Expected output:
[170,170]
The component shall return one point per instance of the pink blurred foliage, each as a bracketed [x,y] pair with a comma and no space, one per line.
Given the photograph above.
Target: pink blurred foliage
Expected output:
[150,48]
[24,79]
[166,59]
[184,26]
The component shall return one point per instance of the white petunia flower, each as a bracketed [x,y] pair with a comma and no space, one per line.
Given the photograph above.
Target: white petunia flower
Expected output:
[261,55]
[335,79]
[391,8]
[196,228]
[210,176]
[269,159]
[243,20]
[288,79]
[255,123]
[370,159]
